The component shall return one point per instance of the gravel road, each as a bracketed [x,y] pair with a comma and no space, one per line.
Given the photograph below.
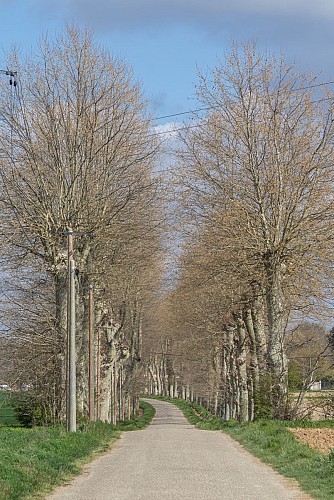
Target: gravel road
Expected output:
[173,460]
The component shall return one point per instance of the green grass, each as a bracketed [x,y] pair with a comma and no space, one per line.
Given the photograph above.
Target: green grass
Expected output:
[145,418]
[274,444]
[33,461]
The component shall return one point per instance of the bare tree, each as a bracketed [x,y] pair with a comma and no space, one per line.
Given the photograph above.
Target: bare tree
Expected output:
[263,156]
[77,151]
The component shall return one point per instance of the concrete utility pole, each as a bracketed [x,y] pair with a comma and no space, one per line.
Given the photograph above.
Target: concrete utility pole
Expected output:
[13,83]
[12,76]
[69,234]
[91,356]
[71,383]
[114,393]
[120,391]
[98,367]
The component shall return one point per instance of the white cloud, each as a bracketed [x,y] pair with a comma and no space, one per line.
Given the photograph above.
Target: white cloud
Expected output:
[168,130]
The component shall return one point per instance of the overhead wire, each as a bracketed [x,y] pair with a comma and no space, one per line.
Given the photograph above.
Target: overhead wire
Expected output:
[174,115]
[198,125]
[208,108]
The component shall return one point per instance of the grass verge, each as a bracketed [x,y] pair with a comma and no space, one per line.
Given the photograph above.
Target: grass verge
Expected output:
[274,444]
[33,461]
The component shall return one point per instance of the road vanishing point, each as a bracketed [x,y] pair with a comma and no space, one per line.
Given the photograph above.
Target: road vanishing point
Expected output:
[173,460]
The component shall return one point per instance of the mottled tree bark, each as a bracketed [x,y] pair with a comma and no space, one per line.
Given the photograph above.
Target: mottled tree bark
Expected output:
[240,361]
[61,284]
[277,358]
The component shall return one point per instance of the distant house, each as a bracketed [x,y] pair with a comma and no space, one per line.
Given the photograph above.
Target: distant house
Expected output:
[5,387]
[315,386]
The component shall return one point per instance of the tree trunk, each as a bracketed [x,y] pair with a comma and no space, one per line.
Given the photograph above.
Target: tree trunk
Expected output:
[276,350]
[242,369]
[109,336]
[224,390]
[61,283]
[254,365]
[258,319]
[232,387]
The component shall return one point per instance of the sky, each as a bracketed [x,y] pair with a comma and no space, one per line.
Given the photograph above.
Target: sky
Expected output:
[167,41]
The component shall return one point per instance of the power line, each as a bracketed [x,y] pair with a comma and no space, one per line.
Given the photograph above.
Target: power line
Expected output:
[14,82]
[321,84]
[197,125]
[183,127]
[190,111]
[184,113]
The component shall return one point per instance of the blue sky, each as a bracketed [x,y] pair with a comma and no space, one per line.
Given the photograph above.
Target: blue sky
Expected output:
[166,40]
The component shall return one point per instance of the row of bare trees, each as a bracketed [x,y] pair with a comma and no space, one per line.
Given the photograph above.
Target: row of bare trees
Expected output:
[77,151]
[254,187]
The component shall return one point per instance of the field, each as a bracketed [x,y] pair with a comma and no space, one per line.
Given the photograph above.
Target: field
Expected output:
[321,439]
[316,405]
[7,413]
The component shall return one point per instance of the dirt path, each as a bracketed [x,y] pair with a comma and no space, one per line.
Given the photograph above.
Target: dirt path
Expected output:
[173,460]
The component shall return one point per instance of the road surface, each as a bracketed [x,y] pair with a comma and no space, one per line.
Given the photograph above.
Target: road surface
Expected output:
[172,460]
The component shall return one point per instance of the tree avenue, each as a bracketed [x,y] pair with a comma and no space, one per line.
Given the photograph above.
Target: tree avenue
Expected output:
[77,151]
[255,187]
[252,186]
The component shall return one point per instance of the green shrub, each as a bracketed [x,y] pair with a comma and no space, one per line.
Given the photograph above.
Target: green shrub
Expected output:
[262,397]
[31,410]
[295,376]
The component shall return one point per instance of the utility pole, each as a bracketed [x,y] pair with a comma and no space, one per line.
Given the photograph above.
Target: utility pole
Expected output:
[91,356]
[71,378]
[112,386]
[72,386]
[120,392]
[115,392]
[98,367]
[12,76]
[13,83]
